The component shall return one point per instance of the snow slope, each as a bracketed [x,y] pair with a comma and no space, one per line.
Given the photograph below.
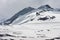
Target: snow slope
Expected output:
[42,15]
[37,25]
[34,30]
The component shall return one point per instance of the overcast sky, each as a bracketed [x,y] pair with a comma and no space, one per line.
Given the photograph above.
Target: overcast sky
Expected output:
[10,7]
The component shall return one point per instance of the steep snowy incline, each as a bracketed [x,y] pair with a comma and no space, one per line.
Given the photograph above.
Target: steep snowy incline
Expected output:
[44,10]
[17,15]
[44,20]
[43,17]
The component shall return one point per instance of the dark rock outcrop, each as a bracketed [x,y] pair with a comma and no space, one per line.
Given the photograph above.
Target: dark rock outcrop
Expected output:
[20,13]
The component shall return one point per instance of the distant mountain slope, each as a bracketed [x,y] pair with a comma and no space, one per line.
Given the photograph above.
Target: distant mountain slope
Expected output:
[20,13]
[48,8]
[42,15]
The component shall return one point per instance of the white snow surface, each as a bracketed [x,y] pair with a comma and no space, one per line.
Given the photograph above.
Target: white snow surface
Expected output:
[34,30]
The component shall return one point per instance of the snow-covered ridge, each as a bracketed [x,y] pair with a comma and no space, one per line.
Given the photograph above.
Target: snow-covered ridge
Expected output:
[43,17]
[21,16]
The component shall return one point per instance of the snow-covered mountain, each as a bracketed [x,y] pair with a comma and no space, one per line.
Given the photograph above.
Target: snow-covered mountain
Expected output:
[42,18]
[19,14]
[41,15]
[29,13]
[42,23]
[35,26]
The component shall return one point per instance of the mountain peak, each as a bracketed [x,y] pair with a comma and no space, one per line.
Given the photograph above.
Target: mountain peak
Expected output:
[30,7]
[44,6]
[48,6]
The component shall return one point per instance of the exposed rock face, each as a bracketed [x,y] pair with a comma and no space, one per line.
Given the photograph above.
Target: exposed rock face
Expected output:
[46,8]
[20,13]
